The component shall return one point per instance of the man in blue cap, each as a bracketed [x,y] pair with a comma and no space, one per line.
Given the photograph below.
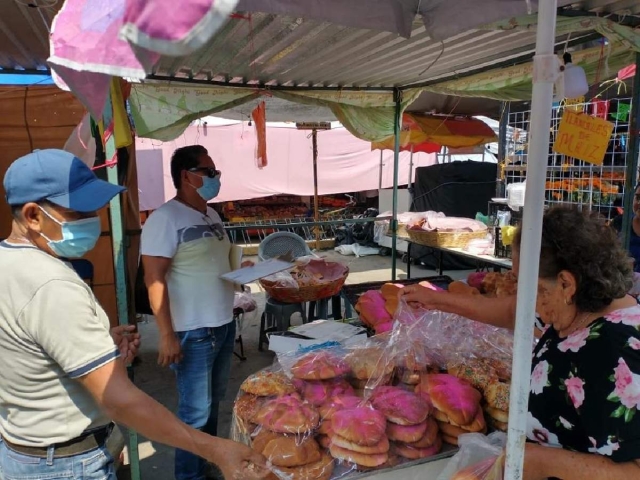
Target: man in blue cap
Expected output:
[62,378]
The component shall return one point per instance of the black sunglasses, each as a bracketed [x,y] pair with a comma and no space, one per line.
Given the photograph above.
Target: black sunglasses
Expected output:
[210,171]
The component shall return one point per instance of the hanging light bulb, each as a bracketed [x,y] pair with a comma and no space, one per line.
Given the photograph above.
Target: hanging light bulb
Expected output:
[575,80]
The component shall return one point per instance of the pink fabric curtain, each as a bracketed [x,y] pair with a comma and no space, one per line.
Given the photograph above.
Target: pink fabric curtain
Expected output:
[345,163]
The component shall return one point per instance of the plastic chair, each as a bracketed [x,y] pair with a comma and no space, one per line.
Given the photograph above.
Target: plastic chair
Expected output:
[277,318]
[283,243]
[277,315]
[84,269]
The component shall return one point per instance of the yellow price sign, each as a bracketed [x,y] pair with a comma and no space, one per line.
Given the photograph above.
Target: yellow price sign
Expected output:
[583,137]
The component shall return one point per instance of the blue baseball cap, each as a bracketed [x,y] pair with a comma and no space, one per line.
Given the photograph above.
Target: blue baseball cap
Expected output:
[58,177]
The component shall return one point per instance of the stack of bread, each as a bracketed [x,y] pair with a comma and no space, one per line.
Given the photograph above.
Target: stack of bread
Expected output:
[285,437]
[496,397]
[456,404]
[327,410]
[256,390]
[492,378]
[369,367]
[413,433]
[359,437]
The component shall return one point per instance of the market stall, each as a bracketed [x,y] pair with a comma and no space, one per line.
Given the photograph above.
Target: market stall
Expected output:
[377,114]
[392,404]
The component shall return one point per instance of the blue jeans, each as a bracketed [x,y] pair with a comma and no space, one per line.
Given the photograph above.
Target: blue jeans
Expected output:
[96,464]
[202,378]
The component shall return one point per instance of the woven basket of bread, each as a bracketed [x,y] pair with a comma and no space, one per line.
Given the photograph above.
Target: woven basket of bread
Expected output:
[444,239]
[402,230]
[329,279]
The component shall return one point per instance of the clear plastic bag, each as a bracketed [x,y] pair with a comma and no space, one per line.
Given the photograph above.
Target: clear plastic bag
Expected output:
[282,279]
[480,457]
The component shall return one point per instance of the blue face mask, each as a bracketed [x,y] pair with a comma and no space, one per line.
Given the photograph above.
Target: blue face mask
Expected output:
[78,236]
[210,188]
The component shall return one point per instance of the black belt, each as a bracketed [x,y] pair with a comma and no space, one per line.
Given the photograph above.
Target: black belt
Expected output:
[84,443]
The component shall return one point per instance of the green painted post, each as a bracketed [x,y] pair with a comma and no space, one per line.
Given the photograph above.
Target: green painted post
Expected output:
[120,262]
[631,174]
[396,162]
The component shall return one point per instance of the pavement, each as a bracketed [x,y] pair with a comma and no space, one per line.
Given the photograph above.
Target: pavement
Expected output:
[156,460]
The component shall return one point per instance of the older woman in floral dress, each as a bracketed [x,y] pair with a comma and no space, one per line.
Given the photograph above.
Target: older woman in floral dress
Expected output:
[583,421]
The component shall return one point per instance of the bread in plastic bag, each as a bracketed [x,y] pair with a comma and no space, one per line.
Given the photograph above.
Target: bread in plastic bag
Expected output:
[480,457]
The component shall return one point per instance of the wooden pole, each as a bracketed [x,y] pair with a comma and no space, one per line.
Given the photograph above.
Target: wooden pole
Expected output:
[316,201]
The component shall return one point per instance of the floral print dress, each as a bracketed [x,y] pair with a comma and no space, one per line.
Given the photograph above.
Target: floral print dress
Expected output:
[585,389]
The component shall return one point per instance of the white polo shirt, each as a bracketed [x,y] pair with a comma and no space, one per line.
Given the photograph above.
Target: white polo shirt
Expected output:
[199,248]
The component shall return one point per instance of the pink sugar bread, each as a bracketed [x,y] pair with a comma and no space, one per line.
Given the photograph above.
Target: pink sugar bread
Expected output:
[362,425]
[400,406]
[287,414]
[406,433]
[320,365]
[452,396]
[414,453]
[337,403]
[319,392]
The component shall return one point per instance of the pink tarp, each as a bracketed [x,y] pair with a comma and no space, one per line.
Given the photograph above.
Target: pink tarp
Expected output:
[345,163]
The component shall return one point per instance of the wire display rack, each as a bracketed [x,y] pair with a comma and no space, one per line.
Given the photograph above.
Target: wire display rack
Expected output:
[571,181]
[258,230]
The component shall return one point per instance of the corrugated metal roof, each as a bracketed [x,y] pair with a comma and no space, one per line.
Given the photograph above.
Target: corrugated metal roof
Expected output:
[280,50]
[286,51]
[24,33]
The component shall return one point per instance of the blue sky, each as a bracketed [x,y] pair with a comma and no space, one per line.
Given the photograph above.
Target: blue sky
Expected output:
[17,79]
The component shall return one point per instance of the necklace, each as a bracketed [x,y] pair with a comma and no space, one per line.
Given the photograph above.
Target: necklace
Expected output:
[574,327]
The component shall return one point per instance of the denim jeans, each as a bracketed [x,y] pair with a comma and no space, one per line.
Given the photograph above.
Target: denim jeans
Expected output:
[96,464]
[202,377]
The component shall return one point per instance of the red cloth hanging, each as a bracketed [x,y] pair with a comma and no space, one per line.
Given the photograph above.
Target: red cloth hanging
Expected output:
[259,116]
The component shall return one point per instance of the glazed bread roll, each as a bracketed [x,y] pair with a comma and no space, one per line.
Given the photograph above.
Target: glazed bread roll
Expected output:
[497,395]
[267,384]
[400,406]
[320,470]
[414,453]
[499,415]
[362,425]
[361,459]
[429,437]
[366,363]
[287,414]
[381,447]
[407,434]
[339,402]
[286,450]
[319,366]
[478,374]
[452,396]
[318,392]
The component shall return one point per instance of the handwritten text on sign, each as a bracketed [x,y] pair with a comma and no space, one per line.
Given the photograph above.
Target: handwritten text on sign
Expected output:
[583,137]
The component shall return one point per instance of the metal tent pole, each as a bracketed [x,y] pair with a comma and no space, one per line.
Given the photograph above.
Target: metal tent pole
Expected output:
[631,174]
[380,176]
[316,200]
[396,160]
[545,70]
[119,263]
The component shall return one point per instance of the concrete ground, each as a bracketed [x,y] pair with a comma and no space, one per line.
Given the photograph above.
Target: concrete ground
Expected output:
[156,461]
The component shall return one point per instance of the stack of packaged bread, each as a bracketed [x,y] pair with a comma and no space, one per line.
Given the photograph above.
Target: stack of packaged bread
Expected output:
[457,405]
